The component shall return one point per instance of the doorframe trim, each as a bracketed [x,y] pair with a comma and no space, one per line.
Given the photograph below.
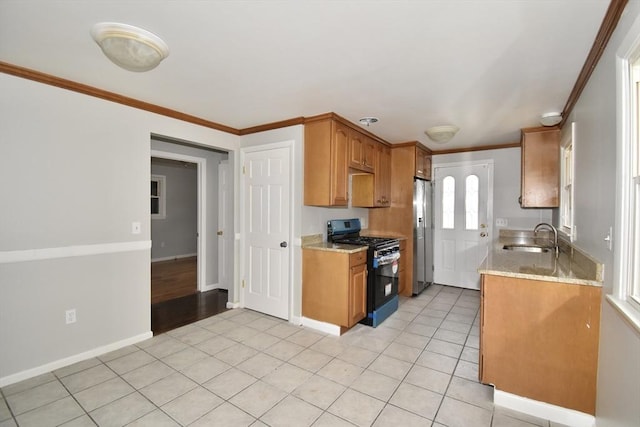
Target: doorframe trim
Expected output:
[201,191]
[289,144]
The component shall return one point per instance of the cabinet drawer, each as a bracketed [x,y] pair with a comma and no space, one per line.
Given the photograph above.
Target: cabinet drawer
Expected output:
[358,258]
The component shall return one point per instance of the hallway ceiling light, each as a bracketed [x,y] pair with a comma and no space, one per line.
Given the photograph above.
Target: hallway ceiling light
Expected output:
[442,134]
[130,47]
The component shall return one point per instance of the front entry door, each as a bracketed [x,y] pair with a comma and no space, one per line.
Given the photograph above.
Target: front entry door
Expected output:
[462,226]
[267,230]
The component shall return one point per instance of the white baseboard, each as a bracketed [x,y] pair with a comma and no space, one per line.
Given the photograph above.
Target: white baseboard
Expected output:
[171,258]
[233,304]
[327,328]
[544,410]
[61,363]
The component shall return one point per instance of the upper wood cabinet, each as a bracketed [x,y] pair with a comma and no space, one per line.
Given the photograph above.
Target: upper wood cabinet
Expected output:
[423,163]
[361,151]
[374,190]
[326,177]
[540,183]
[332,150]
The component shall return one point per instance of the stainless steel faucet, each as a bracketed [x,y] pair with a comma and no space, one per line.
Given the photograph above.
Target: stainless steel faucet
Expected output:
[550,227]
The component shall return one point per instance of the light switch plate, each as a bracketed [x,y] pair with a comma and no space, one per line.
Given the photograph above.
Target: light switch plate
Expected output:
[135,228]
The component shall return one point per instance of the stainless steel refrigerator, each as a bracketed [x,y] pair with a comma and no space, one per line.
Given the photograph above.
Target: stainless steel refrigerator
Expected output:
[422,235]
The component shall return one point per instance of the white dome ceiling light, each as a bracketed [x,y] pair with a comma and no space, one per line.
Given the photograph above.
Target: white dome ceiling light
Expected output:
[130,47]
[442,134]
[550,119]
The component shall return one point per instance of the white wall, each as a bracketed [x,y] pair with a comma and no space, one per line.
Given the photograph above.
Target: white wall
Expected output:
[595,197]
[75,172]
[175,235]
[506,186]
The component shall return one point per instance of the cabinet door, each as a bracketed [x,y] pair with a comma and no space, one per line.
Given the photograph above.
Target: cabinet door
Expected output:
[540,183]
[339,172]
[368,154]
[423,163]
[361,151]
[357,294]
[383,176]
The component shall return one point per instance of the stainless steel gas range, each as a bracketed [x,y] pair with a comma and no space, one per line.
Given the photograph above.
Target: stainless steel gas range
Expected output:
[383,256]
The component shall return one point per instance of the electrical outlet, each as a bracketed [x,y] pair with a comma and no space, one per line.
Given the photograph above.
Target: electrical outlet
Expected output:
[70,316]
[501,222]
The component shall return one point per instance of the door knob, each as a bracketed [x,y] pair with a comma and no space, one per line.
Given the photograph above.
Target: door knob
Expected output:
[483,234]
[283,244]
[219,233]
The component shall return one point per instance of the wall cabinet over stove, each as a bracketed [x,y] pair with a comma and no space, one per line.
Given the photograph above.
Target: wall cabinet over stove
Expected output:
[334,286]
[334,148]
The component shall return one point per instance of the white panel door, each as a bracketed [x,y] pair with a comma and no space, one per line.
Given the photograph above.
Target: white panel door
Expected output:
[225,236]
[267,227]
[462,222]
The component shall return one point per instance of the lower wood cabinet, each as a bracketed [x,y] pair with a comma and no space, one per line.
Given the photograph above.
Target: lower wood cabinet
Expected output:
[334,286]
[539,340]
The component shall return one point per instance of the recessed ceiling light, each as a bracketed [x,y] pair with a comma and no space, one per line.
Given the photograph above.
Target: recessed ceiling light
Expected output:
[368,120]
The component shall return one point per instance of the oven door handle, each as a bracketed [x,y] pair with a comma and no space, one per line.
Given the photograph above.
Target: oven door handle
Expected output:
[386,260]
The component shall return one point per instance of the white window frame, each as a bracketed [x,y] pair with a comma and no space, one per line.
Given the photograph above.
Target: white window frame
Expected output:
[567,168]
[627,236]
[162,196]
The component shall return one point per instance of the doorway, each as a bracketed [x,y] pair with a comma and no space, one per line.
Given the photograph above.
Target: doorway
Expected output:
[200,264]
[463,217]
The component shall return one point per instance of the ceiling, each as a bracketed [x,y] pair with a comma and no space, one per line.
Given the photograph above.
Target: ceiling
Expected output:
[490,67]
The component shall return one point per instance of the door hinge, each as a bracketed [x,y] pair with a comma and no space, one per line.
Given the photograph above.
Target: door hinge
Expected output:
[243,283]
[244,170]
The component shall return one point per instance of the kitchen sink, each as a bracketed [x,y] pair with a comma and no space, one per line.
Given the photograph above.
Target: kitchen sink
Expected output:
[526,248]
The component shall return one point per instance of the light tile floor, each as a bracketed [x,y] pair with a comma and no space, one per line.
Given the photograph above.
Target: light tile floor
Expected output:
[242,368]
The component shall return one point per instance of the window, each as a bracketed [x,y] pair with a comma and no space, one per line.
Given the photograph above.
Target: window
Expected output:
[448,202]
[632,166]
[158,196]
[471,202]
[566,183]
[626,281]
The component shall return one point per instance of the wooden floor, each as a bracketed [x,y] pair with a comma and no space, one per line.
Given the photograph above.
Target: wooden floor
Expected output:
[175,300]
[173,279]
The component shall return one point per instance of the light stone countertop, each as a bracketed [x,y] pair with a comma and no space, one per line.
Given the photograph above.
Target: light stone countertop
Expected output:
[315,242]
[571,266]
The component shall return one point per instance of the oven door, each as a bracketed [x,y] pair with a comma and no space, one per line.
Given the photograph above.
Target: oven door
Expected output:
[385,278]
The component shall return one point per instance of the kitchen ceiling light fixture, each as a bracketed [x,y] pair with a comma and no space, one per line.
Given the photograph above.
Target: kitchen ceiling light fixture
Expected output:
[550,119]
[130,47]
[441,134]
[368,120]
